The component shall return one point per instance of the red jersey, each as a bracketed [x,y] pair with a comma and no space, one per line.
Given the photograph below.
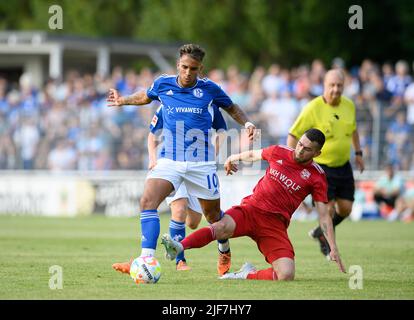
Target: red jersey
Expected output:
[287,183]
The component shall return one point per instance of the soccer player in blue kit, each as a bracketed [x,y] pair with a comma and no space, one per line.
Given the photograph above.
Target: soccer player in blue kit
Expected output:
[188,155]
[185,208]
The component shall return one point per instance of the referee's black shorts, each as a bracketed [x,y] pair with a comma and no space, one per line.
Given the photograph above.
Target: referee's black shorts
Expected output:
[341,182]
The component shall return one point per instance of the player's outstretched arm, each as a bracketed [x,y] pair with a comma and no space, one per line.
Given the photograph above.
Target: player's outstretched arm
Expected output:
[325,221]
[152,144]
[241,118]
[230,165]
[138,98]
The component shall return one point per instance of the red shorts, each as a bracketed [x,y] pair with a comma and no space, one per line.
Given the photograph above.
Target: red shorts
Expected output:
[267,229]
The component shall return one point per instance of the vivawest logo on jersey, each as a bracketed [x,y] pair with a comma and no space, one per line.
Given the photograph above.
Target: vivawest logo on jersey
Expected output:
[179,109]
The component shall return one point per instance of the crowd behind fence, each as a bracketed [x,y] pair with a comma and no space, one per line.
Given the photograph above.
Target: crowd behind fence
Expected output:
[67,125]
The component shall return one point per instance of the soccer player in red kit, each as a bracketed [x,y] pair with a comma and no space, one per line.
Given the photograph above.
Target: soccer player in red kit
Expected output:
[265,215]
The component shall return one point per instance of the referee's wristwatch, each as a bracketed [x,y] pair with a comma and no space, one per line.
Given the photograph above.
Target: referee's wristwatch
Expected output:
[358,153]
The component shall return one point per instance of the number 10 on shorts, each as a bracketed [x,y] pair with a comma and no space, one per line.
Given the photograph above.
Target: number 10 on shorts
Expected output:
[212,179]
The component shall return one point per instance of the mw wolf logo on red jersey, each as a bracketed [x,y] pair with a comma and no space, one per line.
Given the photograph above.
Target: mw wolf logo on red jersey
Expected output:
[284,180]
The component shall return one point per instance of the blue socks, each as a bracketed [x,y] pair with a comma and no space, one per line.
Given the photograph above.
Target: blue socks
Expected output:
[150,229]
[177,232]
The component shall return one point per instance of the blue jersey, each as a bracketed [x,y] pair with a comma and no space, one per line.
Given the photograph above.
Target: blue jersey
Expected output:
[187,116]
[218,123]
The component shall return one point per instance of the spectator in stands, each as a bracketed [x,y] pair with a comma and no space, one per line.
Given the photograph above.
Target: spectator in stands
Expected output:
[400,81]
[63,156]
[273,80]
[4,106]
[129,155]
[338,63]
[55,118]
[217,75]
[387,72]
[316,81]
[66,109]
[26,139]
[374,88]
[232,83]
[388,188]
[399,146]
[256,78]
[302,85]
[104,160]
[89,145]
[280,113]
[351,86]
[318,68]
[7,153]
[397,86]
[118,78]
[43,150]
[13,114]
[241,95]
[409,102]
[404,207]
[256,93]
[381,92]
[374,98]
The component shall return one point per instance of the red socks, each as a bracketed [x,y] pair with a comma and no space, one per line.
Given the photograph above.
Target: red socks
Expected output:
[204,236]
[266,274]
[199,238]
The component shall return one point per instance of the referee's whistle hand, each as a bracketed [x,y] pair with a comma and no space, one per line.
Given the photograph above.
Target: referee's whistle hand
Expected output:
[360,163]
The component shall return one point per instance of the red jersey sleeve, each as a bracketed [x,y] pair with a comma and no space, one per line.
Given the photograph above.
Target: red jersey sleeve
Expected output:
[320,189]
[268,152]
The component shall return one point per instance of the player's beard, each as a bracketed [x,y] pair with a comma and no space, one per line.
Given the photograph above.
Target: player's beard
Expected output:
[302,160]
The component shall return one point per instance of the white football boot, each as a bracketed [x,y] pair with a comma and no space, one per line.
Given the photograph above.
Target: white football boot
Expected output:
[172,247]
[241,274]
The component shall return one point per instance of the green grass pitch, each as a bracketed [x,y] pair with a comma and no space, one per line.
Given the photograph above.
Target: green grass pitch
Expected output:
[86,248]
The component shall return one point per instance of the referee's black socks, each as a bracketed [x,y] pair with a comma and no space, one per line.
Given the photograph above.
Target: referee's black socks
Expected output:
[337,219]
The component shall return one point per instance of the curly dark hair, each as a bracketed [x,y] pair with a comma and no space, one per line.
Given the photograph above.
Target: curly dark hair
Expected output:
[193,50]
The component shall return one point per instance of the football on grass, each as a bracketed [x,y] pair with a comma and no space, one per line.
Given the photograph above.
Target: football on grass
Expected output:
[145,270]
